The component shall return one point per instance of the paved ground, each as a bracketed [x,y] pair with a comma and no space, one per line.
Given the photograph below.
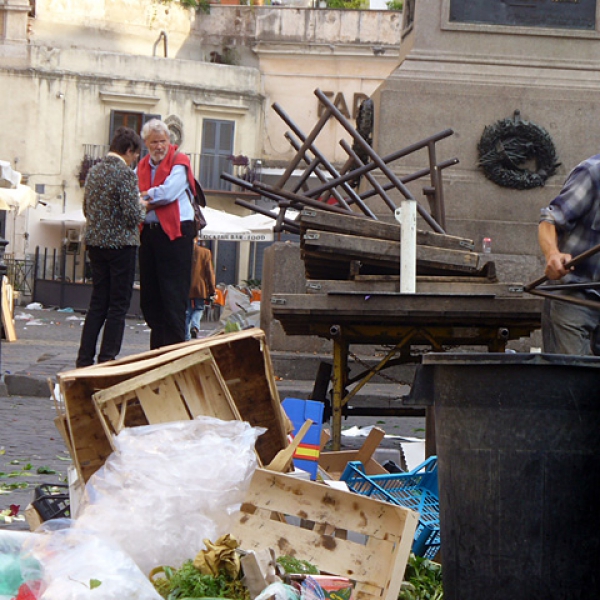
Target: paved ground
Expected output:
[31,449]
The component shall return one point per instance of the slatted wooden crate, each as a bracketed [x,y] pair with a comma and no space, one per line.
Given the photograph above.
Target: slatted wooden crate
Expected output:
[177,391]
[236,376]
[338,247]
[357,537]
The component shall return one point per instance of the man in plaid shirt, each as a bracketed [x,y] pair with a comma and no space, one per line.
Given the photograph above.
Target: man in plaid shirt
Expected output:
[569,226]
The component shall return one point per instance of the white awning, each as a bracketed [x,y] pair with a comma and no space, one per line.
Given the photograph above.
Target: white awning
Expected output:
[19,198]
[73,216]
[221,225]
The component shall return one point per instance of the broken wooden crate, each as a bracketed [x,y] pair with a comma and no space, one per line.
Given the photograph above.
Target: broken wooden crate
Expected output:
[336,246]
[352,536]
[228,376]
[334,462]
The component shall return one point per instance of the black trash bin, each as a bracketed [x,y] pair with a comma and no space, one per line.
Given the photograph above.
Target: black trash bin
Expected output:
[518,445]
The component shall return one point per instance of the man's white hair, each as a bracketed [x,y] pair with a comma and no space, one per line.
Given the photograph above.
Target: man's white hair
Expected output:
[155,125]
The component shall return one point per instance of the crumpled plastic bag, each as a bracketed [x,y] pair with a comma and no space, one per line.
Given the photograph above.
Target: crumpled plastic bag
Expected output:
[34,306]
[81,565]
[170,486]
[279,591]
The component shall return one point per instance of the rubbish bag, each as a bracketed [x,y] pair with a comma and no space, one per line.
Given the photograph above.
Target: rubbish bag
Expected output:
[239,312]
[168,487]
[13,562]
[81,565]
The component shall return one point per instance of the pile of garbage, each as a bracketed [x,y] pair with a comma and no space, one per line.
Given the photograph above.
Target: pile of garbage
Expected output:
[188,491]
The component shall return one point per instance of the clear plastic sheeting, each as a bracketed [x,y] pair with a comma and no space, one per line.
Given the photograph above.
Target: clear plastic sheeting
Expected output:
[80,565]
[168,487]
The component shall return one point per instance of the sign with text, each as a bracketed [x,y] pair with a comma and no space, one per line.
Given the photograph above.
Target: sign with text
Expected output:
[238,237]
[562,14]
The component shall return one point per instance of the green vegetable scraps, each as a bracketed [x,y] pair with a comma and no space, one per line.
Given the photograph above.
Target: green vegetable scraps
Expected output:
[292,564]
[422,580]
[188,582]
[46,471]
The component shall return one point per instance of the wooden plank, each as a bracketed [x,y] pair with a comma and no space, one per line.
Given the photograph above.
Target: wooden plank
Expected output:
[386,252]
[163,405]
[365,452]
[249,373]
[334,462]
[163,401]
[448,309]
[373,318]
[384,230]
[150,359]
[283,458]
[332,555]
[377,567]
[473,286]
[132,384]
[10,334]
[217,400]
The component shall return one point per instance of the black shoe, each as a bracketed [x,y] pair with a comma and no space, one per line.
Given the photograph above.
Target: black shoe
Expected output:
[194,333]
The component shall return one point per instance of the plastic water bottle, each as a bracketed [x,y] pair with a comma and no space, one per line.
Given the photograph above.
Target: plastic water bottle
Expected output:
[487,245]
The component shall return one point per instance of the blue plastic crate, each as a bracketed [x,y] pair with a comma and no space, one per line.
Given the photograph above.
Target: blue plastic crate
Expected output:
[417,490]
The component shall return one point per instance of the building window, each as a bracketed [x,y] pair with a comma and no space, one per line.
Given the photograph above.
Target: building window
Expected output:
[133,120]
[217,147]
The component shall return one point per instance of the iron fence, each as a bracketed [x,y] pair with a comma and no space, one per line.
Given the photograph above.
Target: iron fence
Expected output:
[20,273]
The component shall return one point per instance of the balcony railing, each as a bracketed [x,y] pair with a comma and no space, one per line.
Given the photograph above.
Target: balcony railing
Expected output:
[207,167]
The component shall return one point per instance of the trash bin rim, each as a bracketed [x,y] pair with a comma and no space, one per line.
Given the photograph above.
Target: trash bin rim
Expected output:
[510,358]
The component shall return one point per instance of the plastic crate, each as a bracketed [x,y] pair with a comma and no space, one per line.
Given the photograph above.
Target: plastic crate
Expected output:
[417,490]
[50,501]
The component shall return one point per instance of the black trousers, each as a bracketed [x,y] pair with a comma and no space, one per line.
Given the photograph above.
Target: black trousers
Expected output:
[165,278]
[113,270]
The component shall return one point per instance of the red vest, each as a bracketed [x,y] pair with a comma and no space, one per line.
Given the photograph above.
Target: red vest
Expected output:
[168,214]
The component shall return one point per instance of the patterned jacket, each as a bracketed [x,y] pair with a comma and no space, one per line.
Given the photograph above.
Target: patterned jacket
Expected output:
[112,205]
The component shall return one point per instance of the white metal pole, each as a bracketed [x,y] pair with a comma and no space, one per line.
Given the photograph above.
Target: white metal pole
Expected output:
[406,215]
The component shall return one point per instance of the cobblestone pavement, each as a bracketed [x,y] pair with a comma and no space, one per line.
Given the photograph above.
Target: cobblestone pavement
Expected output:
[32,451]
[48,340]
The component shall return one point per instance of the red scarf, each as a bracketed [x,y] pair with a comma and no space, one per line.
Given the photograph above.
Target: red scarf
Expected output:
[168,214]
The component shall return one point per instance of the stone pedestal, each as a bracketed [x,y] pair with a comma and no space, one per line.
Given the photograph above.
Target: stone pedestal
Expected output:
[283,273]
[466,75]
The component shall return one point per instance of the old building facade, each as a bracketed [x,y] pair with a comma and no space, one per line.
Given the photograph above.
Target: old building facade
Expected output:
[73,70]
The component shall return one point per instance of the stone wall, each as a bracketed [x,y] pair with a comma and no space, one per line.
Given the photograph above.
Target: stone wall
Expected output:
[469,76]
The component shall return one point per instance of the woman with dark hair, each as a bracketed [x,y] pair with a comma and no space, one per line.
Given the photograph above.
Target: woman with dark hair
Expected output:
[113,211]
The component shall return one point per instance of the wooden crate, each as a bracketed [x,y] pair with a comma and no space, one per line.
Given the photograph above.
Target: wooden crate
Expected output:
[177,391]
[334,462]
[375,558]
[239,360]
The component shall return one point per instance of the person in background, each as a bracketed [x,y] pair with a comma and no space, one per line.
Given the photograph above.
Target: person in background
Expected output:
[569,226]
[113,212]
[167,184]
[202,288]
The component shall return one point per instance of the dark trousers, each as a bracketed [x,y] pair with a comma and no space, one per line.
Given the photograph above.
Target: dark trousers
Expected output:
[165,278]
[113,271]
